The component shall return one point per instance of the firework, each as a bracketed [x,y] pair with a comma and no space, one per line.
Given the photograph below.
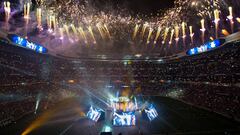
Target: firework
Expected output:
[216,21]
[144,30]
[26,12]
[74,30]
[157,35]
[191,33]
[230,17]
[52,22]
[149,35]
[183,32]
[135,31]
[39,17]
[101,30]
[107,31]
[66,30]
[7,10]
[92,34]
[171,37]
[176,33]
[165,35]
[98,25]
[82,33]
[203,30]
[61,33]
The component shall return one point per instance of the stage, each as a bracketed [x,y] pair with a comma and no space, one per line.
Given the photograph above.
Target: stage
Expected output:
[68,118]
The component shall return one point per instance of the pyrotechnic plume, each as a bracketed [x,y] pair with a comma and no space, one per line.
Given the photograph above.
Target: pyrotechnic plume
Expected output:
[149,35]
[61,30]
[101,30]
[107,31]
[92,34]
[58,13]
[191,33]
[216,21]
[157,34]
[66,30]
[26,12]
[184,32]
[135,31]
[230,17]
[176,33]
[82,33]
[203,30]
[165,35]
[52,22]
[74,30]
[7,10]
[171,37]
[39,17]
[143,30]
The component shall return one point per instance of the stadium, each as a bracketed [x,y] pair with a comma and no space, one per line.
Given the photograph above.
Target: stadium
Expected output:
[129,67]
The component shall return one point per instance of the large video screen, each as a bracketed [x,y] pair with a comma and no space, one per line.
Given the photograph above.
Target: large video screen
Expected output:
[94,114]
[206,47]
[27,44]
[124,119]
[151,113]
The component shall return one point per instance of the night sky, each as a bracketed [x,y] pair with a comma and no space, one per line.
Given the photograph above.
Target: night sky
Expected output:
[135,6]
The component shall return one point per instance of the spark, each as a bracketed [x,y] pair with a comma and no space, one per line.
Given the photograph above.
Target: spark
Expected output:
[39,17]
[176,33]
[144,30]
[149,35]
[157,35]
[184,32]
[171,37]
[230,17]
[191,33]
[92,34]
[80,30]
[101,31]
[7,10]
[135,31]
[203,30]
[107,31]
[216,21]
[165,35]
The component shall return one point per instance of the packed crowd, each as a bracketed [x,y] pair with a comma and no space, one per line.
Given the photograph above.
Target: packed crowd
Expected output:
[214,98]
[220,66]
[12,111]
[209,80]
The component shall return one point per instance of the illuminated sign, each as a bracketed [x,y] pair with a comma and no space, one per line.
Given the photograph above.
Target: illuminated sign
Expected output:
[206,47]
[94,114]
[27,44]
[151,113]
[124,119]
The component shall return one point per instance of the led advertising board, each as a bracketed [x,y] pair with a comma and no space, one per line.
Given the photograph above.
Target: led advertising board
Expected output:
[206,47]
[22,42]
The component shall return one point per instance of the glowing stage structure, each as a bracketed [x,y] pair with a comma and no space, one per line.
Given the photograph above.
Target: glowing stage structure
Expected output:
[94,114]
[151,112]
[124,119]
[124,111]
